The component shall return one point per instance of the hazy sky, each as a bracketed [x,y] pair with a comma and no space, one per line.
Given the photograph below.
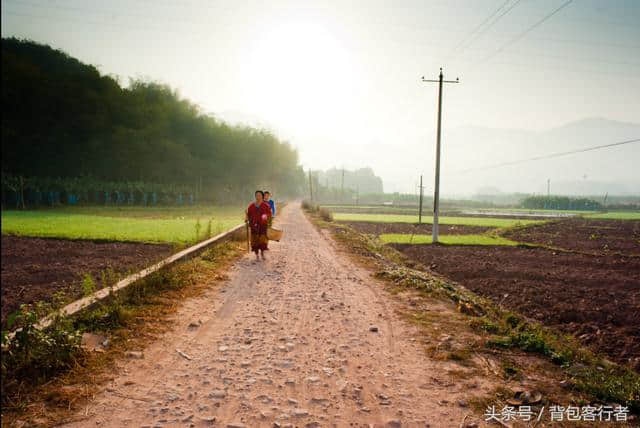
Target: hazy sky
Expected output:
[341,79]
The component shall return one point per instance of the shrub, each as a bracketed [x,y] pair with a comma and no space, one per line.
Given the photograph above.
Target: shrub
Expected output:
[198,226]
[208,233]
[88,284]
[325,214]
[34,355]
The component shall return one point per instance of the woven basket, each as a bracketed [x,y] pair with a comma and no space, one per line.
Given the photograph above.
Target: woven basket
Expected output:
[274,234]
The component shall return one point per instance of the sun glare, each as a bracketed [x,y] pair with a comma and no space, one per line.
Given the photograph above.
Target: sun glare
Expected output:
[299,73]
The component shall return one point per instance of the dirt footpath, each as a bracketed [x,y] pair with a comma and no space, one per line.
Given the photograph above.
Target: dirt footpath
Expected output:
[305,339]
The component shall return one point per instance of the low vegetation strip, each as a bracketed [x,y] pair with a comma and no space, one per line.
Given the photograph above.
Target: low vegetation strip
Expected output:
[52,224]
[403,238]
[157,212]
[399,218]
[425,229]
[617,215]
[363,209]
[48,273]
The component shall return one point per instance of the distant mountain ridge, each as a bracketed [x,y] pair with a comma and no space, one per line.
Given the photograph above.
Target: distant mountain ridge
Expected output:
[612,170]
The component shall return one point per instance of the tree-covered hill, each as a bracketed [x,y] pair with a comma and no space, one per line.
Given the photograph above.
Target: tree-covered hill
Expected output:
[63,118]
[362,180]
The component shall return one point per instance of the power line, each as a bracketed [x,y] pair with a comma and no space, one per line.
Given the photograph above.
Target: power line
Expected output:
[571,59]
[627,72]
[586,42]
[488,27]
[630,74]
[448,29]
[527,31]
[479,27]
[549,156]
[200,35]
[186,21]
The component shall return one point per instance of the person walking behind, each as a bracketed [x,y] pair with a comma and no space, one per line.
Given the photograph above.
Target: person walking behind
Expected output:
[258,216]
[267,199]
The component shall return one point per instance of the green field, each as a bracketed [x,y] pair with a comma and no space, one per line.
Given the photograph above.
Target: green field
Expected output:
[370,209]
[616,215]
[398,218]
[401,238]
[532,210]
[409,210]
[136,224]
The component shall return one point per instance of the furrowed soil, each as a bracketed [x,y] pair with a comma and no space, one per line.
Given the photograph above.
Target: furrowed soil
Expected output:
[585,235]
[595,298]
[381,228]
[33,269]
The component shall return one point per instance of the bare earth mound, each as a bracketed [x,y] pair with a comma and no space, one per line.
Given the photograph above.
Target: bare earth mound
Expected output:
[595,298]
[33,269]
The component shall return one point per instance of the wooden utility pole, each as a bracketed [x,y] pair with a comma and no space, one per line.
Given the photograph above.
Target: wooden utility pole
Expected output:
[342,187]
[420,209]
[21,196]
[548,187]
[436,191]
[310,186]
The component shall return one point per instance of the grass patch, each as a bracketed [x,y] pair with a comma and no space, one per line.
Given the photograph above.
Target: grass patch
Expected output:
[616,215]
[166,212]
[532,211]
[511,371]
[372,209]
[459,355]
[321,211]
[402,238]
[178,226]
[309,206]
[466,221]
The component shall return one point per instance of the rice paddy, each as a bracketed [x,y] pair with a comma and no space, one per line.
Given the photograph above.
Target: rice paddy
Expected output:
[403,218]
[403,238]
[134,224]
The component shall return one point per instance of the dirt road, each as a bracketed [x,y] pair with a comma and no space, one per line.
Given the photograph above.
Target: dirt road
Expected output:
[303,339]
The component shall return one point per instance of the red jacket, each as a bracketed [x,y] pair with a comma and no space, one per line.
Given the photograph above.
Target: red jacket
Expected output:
[259,217]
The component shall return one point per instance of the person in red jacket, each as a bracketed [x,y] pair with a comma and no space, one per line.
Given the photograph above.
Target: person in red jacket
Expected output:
[258,216]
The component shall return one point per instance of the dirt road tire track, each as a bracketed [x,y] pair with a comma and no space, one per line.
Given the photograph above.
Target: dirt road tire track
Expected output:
[290,341]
